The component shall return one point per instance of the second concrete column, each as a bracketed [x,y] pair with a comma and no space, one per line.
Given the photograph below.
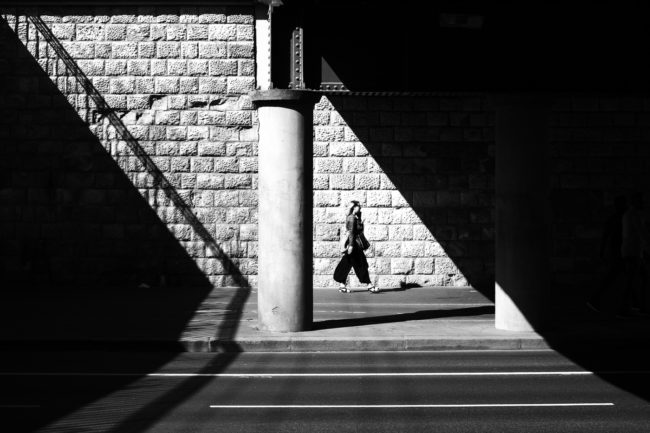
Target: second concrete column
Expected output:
[522,212]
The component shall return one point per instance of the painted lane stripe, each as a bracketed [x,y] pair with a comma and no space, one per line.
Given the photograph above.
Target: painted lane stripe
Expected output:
[406,406]
[270,375]
[393,306]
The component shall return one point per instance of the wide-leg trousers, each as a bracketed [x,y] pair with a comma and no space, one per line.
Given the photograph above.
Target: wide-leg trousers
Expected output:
[356,260]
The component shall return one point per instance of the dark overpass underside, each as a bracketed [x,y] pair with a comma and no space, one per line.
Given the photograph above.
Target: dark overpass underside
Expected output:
[500,46]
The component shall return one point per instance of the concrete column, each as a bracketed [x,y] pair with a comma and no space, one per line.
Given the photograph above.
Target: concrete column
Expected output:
[522,212]
[285,298]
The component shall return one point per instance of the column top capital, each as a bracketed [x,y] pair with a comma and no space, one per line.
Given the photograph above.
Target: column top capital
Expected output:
[279,97]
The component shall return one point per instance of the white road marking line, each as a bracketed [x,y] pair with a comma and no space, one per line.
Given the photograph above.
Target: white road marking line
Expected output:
[403,352]
[340,311]
[393,306]
[336,374]
[425,374]
[404,406]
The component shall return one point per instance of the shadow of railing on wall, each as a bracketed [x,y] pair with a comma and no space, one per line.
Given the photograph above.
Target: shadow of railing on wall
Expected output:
[103,109]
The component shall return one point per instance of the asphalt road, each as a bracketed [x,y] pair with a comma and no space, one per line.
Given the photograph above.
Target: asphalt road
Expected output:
[478,391]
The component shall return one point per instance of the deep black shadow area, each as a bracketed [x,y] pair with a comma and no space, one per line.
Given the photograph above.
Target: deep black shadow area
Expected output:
[393,318]
[84,259]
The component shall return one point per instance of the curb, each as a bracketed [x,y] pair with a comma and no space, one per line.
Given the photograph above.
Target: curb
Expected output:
[333,344]
[351,344]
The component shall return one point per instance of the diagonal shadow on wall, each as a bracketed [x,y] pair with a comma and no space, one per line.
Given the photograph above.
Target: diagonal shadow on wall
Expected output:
[85,260]
[444,176]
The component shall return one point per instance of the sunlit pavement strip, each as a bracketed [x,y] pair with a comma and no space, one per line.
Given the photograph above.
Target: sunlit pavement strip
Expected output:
[406,406]
[269,375]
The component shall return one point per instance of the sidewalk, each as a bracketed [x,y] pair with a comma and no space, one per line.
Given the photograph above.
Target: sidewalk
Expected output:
[226,320]
[413,319]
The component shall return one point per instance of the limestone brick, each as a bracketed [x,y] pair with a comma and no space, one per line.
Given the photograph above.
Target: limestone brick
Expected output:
[166,85]
[89,32]
[63,31]
[320,149]
[367,181]
[325,266]
[245,68]
[238,118]
[176,32]
[321,117]
[212,18]
[197,32]
[328,133]
[326,198]
[176,133]
[328,165]
[224,67]
[375,232]
[321,181]
[401,232]
[240,85]
[401,266]
[342,181]
[177,67]
[378,198]
[211,85]
[137,32]
[388,249]
[355,165]
[212,50]
[240,50]
[124,50]
[341,149]
[189,50]
[168,50]
[115,32]
[209,181]
[248,165]
[222,32]
[211,118]
[240,148]
[226,165]
[327,250]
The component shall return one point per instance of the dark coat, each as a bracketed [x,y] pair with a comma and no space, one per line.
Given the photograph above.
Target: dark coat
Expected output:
[354,227]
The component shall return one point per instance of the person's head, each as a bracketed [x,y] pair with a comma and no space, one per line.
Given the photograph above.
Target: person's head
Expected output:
[354,208]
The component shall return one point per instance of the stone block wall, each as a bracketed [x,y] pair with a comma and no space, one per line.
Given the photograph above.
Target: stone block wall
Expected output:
[84,201]
[163,188]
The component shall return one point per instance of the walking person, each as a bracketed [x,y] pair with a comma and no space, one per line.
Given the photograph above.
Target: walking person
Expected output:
[634,245]
[610,252]
[353,246]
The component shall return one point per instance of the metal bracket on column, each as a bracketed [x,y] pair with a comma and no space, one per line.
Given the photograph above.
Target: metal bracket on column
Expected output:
[297,66]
